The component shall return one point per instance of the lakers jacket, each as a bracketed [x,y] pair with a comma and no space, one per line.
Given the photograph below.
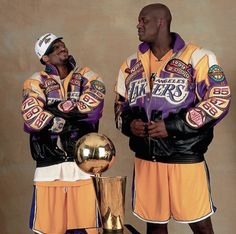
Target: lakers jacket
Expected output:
[189,92]
[74,105]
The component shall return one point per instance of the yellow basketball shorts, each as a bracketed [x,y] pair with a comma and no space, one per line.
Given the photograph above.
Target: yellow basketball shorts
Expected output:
[161,191]
[58,206]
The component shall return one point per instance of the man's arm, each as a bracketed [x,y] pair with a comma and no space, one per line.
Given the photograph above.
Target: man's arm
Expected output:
[213,94]
[91,101]
[34,113]
[130,121]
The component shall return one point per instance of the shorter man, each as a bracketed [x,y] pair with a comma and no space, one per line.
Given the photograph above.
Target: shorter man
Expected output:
[60,104]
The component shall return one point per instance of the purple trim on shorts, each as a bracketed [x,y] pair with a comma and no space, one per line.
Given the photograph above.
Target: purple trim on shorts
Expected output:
[77,231]
[209,186]
[133,188]
[32,211]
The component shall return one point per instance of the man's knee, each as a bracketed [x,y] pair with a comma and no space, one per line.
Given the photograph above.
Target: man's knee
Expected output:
[202,227]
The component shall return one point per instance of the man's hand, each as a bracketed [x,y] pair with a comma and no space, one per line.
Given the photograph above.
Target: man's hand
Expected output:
[138,128]
[58,124]
[157,129]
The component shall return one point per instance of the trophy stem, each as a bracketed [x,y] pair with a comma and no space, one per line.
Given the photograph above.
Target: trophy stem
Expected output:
[110,194]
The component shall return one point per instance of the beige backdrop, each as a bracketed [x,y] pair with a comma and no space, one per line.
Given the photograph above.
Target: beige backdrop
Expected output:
[101,34]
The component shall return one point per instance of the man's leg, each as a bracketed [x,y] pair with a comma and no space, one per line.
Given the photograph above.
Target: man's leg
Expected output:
[154,228]
[202,227]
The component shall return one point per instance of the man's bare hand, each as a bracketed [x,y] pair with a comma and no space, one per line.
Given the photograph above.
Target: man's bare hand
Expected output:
[157,129]
[138,128]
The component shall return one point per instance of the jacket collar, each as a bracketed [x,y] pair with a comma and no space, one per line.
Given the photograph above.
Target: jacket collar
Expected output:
[52,70]
[177,45]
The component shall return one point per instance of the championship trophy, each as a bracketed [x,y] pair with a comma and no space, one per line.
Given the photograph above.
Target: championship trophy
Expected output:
[94,154]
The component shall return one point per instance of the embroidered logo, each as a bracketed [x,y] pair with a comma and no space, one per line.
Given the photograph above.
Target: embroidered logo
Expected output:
[135,70]
[216,73]
[66,106]
[76,79]
[196,117]
[127,70]
[45,40]
[51,85]
[98,86]
[136,90]
[179,67]
[174,90]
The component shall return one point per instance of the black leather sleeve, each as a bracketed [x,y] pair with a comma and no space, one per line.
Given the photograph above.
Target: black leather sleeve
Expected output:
[176,125]
[129,115]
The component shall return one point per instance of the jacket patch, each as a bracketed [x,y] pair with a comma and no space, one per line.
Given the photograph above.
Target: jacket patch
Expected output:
[32,113]
[50,86]
[219,91]
[41,120]
[89,100]
[216,73]
[196,117]
[98,86]
[66,106]
[136,90]
[212,110]
[179,67]
[75,87]
[83,107]
[174,90]
[135,70]
[221,103]
[29,103]
[76,79]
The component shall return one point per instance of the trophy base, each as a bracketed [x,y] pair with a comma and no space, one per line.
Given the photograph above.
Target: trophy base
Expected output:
[108,231]
[128,229]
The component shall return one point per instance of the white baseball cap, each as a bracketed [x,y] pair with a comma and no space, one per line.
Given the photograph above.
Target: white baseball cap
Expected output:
[43,43]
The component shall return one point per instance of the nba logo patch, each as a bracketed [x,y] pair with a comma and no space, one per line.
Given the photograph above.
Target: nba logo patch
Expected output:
[196,117]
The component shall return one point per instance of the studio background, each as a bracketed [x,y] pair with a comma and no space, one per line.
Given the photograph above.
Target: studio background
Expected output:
[101,34]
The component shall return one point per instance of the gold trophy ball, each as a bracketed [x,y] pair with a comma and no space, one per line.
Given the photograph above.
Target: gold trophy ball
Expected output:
[94,153]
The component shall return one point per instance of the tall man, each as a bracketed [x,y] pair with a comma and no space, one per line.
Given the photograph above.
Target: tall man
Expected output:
[60,104]
[169,97]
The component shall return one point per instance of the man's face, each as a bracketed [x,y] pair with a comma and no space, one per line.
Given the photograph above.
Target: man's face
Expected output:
[147,26]
[58,54]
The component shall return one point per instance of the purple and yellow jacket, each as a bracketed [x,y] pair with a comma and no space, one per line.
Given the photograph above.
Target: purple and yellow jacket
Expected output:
[78,100]
[190,94]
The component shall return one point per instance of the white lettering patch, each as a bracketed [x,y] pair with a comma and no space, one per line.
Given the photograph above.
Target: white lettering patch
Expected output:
[136,90]
[174,90]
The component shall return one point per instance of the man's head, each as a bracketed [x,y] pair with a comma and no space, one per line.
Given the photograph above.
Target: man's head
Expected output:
[50,49]
[153,20]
